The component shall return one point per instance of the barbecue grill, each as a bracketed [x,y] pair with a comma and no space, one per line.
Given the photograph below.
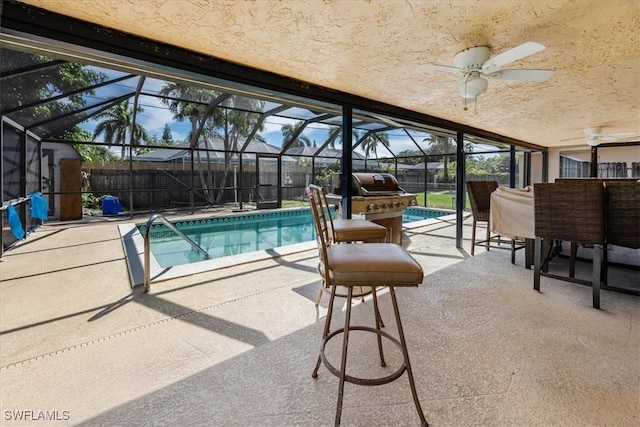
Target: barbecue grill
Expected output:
[379,198]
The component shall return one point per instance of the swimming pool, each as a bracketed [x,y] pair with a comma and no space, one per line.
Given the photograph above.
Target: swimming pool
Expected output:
[230,240]
[229,235]
[237,234]
[418,213]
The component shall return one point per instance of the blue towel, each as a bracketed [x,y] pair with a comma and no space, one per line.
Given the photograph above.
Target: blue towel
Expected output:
[15,223]
[39,206]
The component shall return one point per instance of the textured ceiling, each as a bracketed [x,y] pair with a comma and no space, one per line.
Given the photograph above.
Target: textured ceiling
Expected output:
[376,48]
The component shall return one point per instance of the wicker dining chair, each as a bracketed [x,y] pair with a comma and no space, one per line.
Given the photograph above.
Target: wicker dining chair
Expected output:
[480,198]
[623,213]
[572,212]
[623,217]
[362,265]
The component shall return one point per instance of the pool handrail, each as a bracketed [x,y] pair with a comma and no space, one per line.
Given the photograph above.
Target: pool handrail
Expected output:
[147,251]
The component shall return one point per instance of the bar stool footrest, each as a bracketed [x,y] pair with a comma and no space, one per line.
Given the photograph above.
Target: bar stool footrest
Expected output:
[357,380]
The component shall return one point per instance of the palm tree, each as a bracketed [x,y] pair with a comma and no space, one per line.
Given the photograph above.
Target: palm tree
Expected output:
[233,125]
[117,125]
[289,130]
[229,124]
[191,103]
[442,145]
[188,103]
[371,142]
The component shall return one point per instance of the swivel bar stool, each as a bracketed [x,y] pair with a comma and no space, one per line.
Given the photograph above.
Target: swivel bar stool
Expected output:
[347,230]
[373,265]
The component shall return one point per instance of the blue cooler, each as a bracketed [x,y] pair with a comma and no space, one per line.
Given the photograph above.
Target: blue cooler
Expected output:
[111,206]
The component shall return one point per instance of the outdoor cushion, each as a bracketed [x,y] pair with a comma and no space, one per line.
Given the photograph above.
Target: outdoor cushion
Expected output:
[373,264]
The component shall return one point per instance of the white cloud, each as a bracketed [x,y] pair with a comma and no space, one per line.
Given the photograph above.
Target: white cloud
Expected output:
[154,116]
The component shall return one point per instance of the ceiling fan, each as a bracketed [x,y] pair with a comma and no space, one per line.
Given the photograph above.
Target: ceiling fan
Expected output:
[475,65]
[595,136]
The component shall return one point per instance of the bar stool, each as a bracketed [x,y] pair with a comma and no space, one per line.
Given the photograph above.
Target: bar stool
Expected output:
[347,231]
[373,265]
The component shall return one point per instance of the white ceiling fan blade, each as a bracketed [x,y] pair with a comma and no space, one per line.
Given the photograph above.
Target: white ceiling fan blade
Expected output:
[581,138]
[511,55]
[606,138]
[445,68]
[430,89]
[621,135]
[522,75]
[635,138]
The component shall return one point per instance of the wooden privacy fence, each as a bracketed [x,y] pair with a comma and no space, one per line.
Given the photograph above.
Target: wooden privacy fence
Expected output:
[170,186]
[154,188]
[158,189]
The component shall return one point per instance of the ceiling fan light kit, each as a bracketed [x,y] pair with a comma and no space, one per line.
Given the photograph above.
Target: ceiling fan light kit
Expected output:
[473,87]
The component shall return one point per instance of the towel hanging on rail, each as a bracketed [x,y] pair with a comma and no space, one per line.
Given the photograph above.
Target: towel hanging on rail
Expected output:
[39,206]
[15,223]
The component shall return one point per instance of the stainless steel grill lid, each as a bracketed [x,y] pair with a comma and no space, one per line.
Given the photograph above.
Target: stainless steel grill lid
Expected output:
[379,183]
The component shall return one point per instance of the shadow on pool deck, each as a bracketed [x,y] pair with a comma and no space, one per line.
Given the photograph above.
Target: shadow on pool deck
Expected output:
[236,346]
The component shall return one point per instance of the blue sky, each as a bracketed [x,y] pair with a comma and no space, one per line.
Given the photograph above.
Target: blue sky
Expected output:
[156,115]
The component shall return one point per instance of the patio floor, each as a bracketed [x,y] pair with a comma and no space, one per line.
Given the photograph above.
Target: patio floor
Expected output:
[236,346]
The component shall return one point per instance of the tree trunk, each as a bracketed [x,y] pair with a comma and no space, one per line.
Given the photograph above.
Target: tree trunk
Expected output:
[223,184]
[446,168]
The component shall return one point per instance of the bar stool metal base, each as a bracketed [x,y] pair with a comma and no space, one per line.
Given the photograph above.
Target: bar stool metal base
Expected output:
[357,380]
[341,373]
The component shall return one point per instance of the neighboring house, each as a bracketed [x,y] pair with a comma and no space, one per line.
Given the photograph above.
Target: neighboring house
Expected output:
[327,157]
[416,173]
[181,153]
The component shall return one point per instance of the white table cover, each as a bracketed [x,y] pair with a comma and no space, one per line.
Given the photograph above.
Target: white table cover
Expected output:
[512,212]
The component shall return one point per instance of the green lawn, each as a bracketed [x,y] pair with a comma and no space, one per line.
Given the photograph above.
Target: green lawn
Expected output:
[442,200]
[294,203]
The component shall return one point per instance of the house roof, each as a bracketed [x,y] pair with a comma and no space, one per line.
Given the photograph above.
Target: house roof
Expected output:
[215,145]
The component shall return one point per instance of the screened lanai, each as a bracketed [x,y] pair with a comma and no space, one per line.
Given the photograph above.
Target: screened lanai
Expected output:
[80,125]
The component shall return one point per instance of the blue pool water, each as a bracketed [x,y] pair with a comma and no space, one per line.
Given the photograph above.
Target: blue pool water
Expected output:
[417,213]
[223,236]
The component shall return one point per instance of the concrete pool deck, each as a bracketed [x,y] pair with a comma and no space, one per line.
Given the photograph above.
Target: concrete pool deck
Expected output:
[236,346]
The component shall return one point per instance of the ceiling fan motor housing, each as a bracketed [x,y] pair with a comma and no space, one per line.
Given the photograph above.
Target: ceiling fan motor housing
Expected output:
[593,131]
[472,58]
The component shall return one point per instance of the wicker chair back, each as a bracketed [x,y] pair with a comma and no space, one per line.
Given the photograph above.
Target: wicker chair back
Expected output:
[623,213]
[571,211]
[480,197]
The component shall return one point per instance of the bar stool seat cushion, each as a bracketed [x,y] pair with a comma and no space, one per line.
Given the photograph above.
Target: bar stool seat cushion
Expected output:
[372,264]
[358,230]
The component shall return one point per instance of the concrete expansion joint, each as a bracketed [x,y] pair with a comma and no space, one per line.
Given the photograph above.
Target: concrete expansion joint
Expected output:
[138,328]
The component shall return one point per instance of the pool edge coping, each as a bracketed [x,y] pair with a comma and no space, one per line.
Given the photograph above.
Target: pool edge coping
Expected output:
[133,246]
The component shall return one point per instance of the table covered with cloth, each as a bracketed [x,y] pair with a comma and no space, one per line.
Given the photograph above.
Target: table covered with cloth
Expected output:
[512,213]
